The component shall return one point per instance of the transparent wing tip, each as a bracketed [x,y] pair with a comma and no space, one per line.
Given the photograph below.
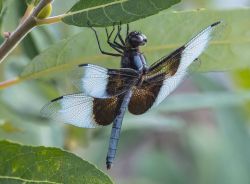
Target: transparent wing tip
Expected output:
[50,108]
[216,23]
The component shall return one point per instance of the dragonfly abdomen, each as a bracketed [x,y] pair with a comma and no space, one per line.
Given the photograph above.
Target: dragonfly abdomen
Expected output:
[116,129]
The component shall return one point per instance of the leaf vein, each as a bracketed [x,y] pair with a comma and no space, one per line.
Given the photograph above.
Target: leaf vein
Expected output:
[27,180]
[73,19]
[126,11]
[95,7]
[87,13]
[151,2]
[105,13]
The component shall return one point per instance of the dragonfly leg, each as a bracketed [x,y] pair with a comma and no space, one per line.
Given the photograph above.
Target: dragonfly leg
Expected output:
[127,30]
[118,35]
[99,46]
[116,47]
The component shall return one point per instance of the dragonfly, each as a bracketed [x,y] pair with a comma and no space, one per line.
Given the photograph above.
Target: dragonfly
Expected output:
[106,94]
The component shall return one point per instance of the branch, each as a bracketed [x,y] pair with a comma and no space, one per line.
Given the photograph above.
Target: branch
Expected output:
[22,30]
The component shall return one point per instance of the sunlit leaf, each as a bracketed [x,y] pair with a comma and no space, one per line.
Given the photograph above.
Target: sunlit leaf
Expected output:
[107,12]
[221,55]
[45,165]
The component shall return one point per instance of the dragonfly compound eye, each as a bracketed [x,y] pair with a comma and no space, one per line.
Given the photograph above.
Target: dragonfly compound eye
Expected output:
[136,39]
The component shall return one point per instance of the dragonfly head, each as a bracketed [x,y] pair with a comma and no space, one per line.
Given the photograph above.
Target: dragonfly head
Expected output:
[136,39]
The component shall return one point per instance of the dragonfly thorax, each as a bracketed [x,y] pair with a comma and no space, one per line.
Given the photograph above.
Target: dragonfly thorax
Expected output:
[135,39]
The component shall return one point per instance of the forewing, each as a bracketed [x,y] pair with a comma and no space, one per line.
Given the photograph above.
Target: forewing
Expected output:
[179,60]
[82,111]
[164,76]
[101,82]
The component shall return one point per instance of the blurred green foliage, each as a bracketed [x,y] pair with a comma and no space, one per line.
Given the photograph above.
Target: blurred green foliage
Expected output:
[200,136]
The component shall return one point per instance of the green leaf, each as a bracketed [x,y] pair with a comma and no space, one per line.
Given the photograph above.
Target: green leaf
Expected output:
[107,12]
[228,52]
[26,164]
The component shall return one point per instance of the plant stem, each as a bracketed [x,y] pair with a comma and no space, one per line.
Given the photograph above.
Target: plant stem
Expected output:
[50,20]
[9,83]
[23,29]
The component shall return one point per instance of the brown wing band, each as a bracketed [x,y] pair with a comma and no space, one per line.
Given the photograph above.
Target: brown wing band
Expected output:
[144,96]
[105,110]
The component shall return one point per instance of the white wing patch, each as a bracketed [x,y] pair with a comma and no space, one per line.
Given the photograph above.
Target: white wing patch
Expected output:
[95,81]
[193,49]
[74,109]
[91,80]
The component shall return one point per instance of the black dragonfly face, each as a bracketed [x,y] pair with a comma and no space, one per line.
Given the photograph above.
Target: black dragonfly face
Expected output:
[136,39]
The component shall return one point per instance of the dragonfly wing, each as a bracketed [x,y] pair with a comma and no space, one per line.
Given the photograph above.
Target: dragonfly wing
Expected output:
[182,58]
[146,95]
[101,82]
[82,111]
[166,74]
[142,99]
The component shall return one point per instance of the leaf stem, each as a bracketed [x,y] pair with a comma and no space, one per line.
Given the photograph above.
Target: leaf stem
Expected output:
[9,83]
[23,29]
[50,20]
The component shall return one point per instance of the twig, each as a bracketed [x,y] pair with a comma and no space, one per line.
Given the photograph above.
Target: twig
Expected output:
[50,20]
[23,29]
